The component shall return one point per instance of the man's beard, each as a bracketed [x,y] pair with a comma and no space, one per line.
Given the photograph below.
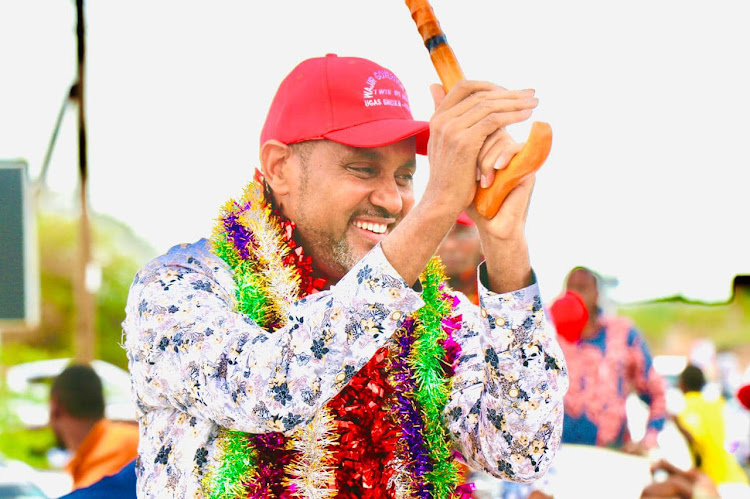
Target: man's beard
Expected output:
[335,256]
[343,255]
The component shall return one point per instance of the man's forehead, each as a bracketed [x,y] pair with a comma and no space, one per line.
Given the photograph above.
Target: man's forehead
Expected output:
[406,148]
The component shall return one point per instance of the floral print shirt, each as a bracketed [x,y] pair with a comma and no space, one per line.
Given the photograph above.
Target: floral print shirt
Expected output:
[198,366]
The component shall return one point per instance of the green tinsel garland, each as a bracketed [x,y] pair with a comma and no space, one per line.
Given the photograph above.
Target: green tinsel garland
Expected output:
[433,387]
[239,459]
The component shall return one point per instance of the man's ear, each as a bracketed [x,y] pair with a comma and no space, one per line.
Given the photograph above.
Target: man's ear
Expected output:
[276,167]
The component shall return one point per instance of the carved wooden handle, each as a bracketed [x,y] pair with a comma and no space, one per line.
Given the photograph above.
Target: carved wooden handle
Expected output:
[535,151]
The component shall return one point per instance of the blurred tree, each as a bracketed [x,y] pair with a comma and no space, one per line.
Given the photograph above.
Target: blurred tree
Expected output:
[726,324]
[118,251]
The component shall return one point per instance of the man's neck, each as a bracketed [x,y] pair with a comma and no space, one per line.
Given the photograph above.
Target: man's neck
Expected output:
[77,433]
[592,327]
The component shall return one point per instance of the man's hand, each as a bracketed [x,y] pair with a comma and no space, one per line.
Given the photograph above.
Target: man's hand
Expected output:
[504,240]
[468,141]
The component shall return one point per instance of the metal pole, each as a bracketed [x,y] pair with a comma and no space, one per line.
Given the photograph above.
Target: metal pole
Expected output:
[85,337]
[41,181]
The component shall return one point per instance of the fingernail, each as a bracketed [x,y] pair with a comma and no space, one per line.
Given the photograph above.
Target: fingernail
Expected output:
[487,180]
[500,163]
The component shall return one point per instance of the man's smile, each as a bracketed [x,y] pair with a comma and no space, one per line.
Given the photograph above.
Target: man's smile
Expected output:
[372,230]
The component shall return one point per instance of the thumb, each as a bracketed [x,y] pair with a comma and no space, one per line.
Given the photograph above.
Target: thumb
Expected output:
[438,93]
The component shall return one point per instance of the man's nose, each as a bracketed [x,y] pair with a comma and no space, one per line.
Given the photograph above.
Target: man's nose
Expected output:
[387,196]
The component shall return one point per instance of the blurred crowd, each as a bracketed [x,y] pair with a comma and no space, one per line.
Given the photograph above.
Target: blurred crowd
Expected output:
[610,367]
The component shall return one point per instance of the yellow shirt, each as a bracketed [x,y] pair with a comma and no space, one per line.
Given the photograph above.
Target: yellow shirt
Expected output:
[107,448]
[704,420]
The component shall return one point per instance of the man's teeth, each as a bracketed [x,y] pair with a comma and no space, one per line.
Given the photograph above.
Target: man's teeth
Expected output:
[376,228]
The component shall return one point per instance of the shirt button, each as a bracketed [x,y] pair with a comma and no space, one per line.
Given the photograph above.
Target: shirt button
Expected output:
[341,376]
[483,312]
[500,322]
[395,315]
[513,392]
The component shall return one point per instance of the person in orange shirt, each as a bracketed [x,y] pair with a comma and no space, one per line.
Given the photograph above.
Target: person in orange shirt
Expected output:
[99,447]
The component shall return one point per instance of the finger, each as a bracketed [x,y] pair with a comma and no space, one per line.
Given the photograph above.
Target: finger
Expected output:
[495,154]
[478,98]
[488,124]
[515,207]
[438,94]
[510,219]
[519,199]
[465,88]
[487,117]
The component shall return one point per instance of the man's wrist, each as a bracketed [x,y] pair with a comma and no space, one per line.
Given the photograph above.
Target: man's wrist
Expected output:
[508,265]
[435,206]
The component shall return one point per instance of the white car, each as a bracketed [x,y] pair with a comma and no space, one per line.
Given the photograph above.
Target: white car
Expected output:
[20,481]
[30,384]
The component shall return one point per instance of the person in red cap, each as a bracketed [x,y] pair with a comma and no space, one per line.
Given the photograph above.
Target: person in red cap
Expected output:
[461,253]
[310,347]
[607,358]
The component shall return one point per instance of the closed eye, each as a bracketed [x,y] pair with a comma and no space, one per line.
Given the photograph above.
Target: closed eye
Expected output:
[405,178]
[362,170]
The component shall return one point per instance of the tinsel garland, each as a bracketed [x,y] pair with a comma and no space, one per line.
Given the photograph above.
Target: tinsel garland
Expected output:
[271,271]
[268,269]
[311,474]
[413,453]
[429,362]
[368,433]
[238,460]
[268,477]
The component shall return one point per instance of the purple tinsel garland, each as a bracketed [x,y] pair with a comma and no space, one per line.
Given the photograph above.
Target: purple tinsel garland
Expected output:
[407,411]
[273,458]
[237,234]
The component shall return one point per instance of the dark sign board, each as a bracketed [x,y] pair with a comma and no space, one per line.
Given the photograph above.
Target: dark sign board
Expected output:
[19,285]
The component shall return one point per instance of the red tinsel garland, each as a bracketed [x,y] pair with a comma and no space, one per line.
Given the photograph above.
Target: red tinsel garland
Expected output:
[368,435]
[296,258]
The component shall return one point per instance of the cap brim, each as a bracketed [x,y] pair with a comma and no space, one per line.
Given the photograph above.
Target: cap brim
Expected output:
[382,133]
[465,219]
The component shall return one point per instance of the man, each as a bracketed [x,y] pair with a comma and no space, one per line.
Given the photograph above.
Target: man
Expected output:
[701,421]
[99,447]
[272,359]
[609,361]
[461,252]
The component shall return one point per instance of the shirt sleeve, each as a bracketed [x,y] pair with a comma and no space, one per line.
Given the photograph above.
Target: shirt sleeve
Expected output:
[505,410]
[188,349]
[649,385]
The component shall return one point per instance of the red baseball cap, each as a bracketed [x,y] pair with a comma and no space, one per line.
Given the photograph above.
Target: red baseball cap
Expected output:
[569,315]
[743,395]
[348,100]
[465,219]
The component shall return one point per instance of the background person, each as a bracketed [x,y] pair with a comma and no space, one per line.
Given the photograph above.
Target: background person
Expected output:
[99,447]
[461,253]
[610,360]
[702,423]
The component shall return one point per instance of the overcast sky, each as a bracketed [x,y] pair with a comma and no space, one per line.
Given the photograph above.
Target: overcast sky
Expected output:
[648,101]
